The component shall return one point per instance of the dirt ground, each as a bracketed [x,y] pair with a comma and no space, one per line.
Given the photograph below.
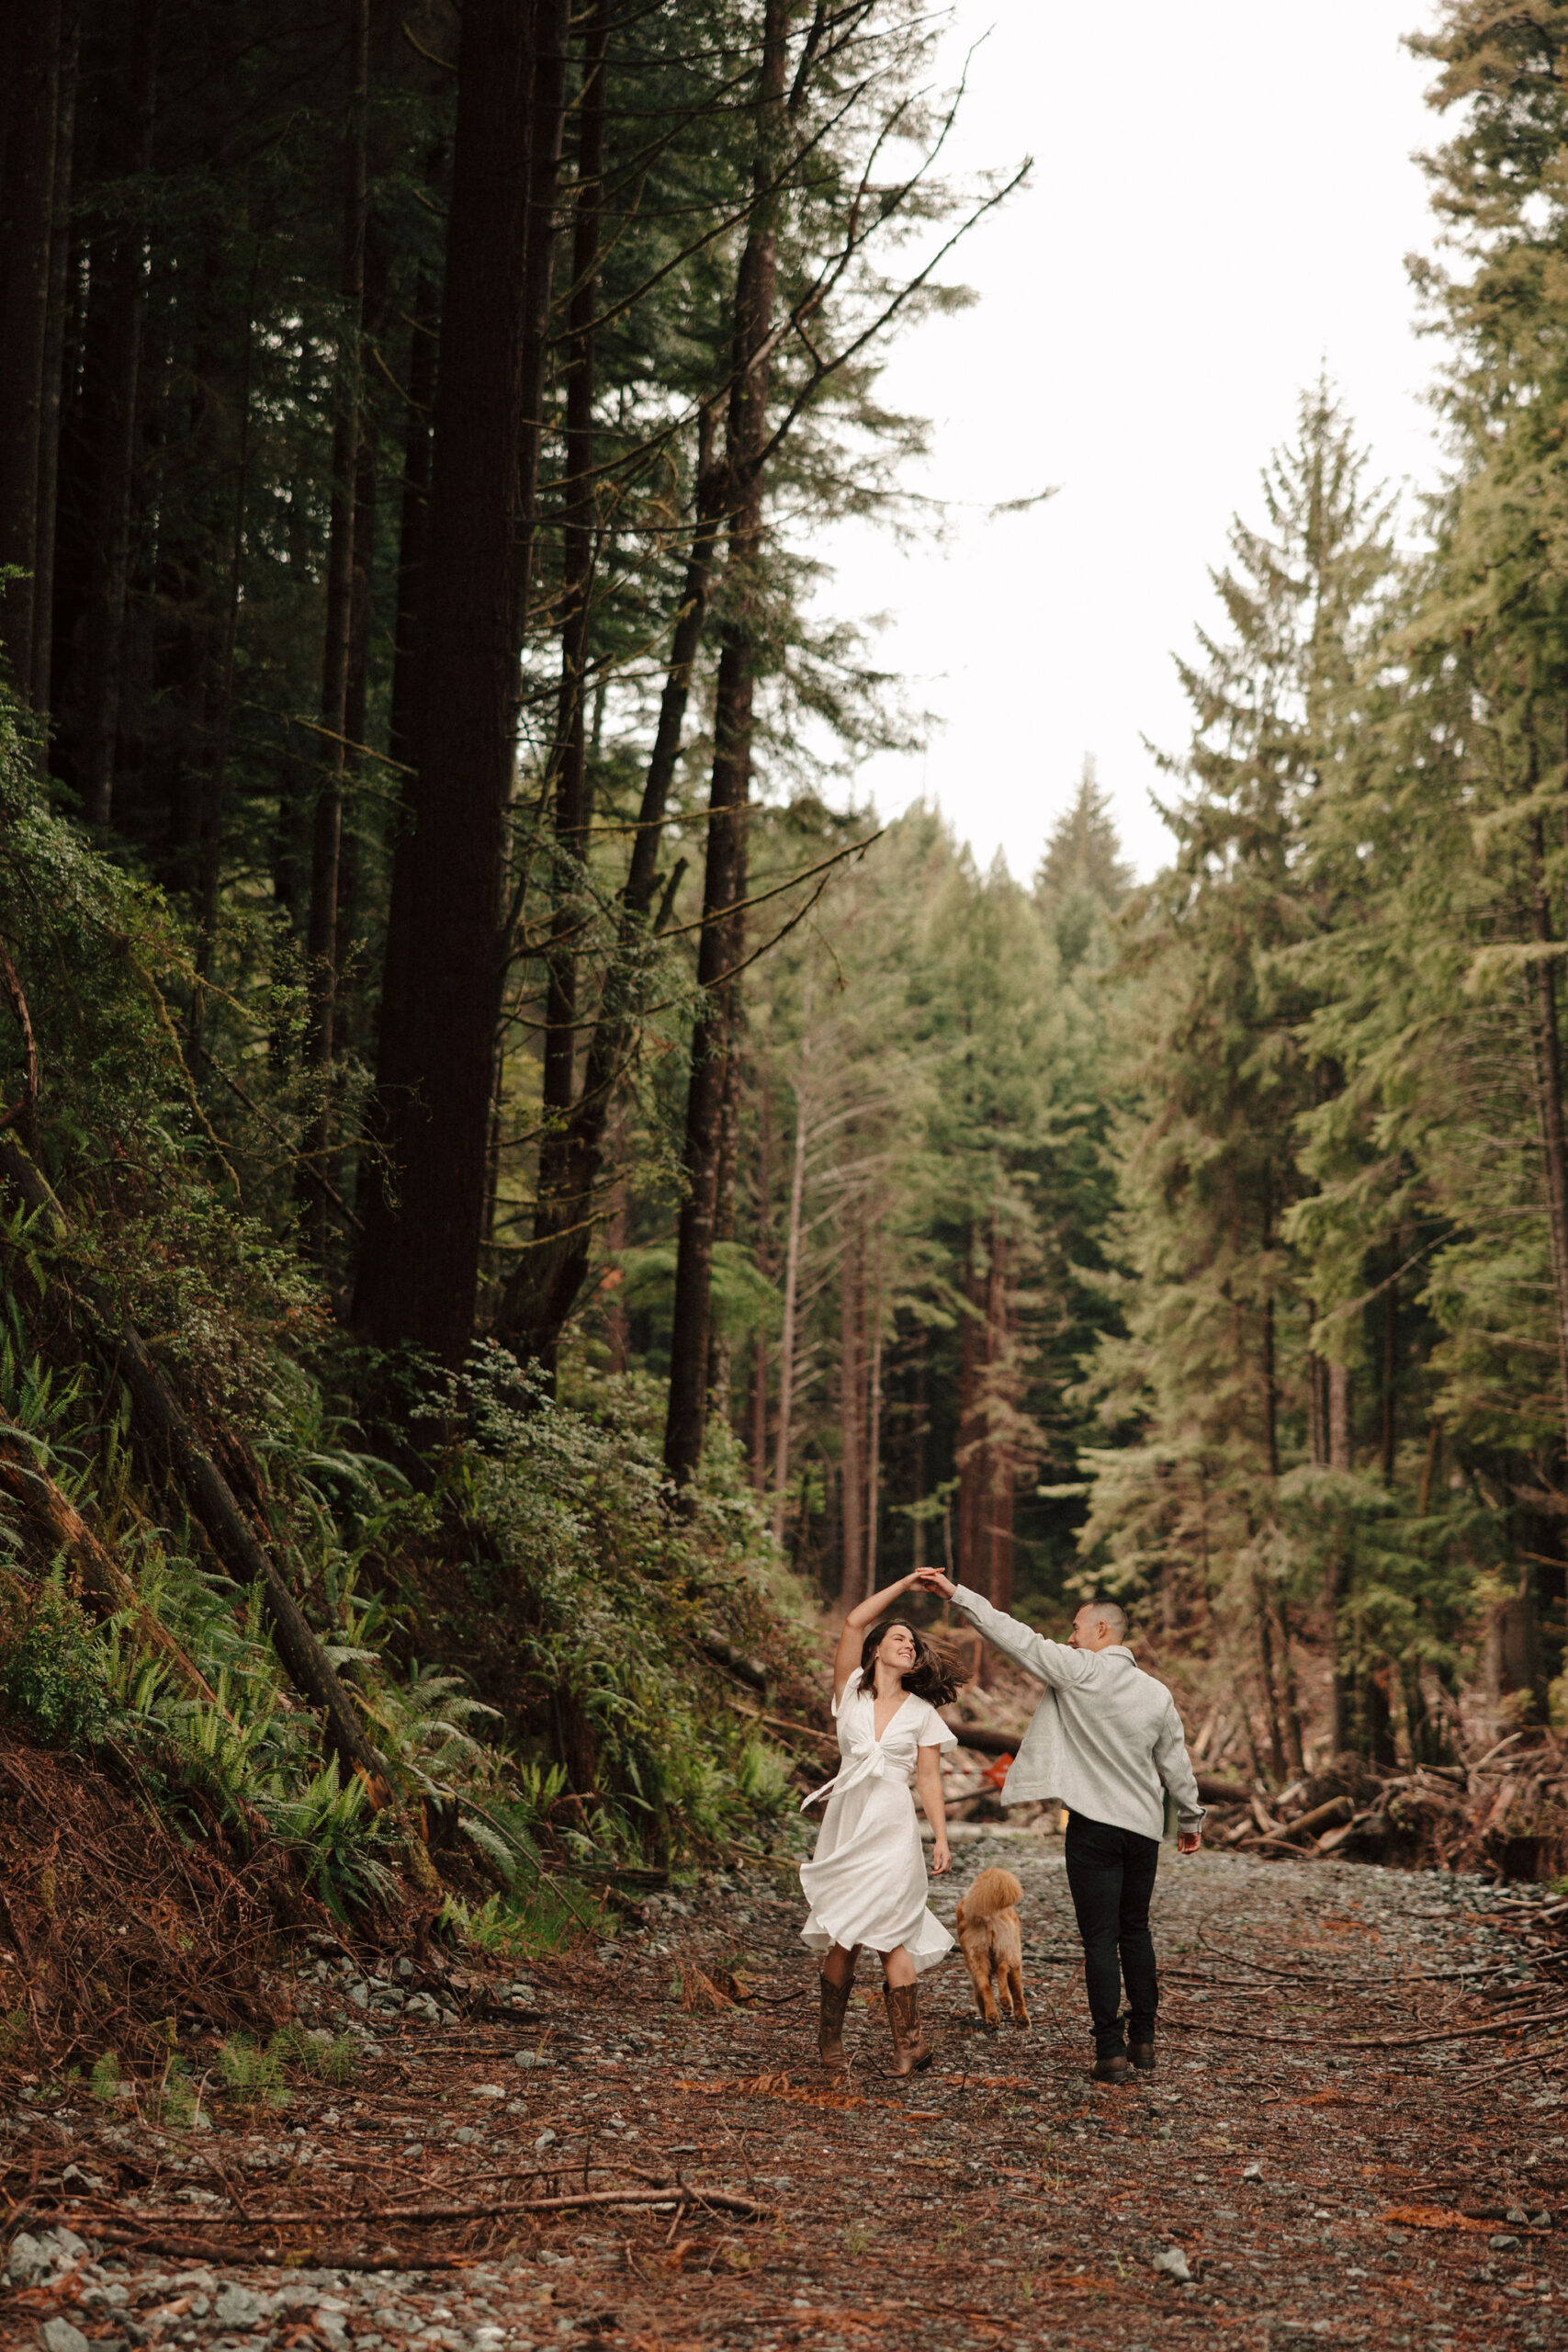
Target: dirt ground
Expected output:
[1347,2140]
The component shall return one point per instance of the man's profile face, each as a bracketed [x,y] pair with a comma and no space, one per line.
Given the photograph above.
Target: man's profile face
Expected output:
[1088,1629]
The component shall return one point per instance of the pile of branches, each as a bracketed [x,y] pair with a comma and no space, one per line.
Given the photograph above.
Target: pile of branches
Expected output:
[1504,1813]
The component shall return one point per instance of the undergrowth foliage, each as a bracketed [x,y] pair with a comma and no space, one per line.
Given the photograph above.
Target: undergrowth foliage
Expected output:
[517,1616]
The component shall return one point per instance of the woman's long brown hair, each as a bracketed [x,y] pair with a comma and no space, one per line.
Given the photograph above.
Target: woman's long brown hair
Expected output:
[932,1676]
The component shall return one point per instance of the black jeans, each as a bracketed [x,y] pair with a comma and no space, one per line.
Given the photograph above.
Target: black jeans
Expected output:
[1111,1875]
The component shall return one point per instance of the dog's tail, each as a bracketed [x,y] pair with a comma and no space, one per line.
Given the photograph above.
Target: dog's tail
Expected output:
[992,1892]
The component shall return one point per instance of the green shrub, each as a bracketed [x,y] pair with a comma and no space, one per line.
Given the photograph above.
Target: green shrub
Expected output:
[529,1926]
[175,2098]
[106,2078]
[252,2075]
[52,1669]
[332,2059]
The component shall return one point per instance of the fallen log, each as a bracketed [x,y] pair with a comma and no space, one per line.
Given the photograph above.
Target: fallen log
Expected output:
[1321,1816]
[982,1739]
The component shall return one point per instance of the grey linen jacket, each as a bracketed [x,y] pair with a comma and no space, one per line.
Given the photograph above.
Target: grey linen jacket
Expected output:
[1105,1739]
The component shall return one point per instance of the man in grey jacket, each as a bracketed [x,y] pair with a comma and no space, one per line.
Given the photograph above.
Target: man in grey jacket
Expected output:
[1107,1742]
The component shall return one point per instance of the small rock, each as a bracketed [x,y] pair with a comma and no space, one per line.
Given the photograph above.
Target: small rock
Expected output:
[68,2243]
[464,2135]
[527,2058]
[59,2335]
[359,1993]
[1503,2242]
[405,1968]
[1173,2262]
[238,2307]
[28,2259]
[1252,2172]
[546,2138]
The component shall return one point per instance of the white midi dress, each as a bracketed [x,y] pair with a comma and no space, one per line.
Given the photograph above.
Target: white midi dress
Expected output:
[866,1881]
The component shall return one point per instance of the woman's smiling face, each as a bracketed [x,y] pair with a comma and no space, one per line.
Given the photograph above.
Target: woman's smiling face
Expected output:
[896,1649]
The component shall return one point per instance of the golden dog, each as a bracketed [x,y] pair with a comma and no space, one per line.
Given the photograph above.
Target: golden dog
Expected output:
[991,1934]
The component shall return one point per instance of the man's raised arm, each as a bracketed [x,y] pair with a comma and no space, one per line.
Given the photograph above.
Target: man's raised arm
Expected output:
[1048,1661]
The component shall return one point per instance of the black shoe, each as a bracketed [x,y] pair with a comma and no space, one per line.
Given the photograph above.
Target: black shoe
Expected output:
[1142,2055]
[1111,2070]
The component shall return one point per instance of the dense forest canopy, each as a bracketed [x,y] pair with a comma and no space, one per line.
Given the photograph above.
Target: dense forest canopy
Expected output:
[459,998]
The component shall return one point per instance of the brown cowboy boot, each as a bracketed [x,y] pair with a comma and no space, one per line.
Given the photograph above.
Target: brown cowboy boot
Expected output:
[830,2024]
[910,2048]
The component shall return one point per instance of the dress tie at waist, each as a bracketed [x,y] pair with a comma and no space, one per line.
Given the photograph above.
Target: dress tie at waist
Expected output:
[866,1762]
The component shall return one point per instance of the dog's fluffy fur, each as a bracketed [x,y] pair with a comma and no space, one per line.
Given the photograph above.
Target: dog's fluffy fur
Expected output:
[991,1935]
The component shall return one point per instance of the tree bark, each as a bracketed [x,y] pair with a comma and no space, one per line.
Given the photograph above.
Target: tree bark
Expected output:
[998,1485]
[728,1178]
[851,1407]
[1264,1629]
[1548,1061]
[215,796]
[792,1278]
[1389,1401]
[971,1434]
[724,866]
[127,301]
[412,520]
[54,357]
[573,809]
[327,840]
[873,1431]
[418,1271]
[1339,1416]
[27,228]
[758,1435]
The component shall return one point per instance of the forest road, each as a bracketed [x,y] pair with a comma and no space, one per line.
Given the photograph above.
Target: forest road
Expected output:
[1274,2185]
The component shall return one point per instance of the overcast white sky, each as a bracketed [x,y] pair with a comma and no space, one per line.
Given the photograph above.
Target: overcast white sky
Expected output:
[1222,198]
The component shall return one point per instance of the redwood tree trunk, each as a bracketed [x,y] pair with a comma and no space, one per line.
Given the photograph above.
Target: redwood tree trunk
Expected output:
[724,865]
[54,357]
[128,302]
[27,230]
[326,842]
[851,1407]
[1548,1057]
[997,1485]
[792,1278]
[574,812]
[874,1428]
[419,1267]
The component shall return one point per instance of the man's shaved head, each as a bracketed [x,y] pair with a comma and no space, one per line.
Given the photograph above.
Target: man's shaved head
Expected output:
[1105,1613]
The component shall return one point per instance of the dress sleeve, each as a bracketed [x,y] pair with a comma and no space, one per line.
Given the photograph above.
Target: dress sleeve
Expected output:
[933,1732]
[850,1691]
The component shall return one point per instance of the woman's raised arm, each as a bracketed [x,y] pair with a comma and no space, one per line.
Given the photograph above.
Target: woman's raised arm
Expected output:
[864,1612]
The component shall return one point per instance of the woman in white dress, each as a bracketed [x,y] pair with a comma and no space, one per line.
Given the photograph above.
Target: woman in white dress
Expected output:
[866,1881]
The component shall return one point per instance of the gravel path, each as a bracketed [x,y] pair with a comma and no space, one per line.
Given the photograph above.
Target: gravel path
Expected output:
[1274,2184]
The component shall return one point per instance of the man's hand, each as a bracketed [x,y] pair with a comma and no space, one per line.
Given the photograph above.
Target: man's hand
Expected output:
[932,1580]
[1188,1840]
